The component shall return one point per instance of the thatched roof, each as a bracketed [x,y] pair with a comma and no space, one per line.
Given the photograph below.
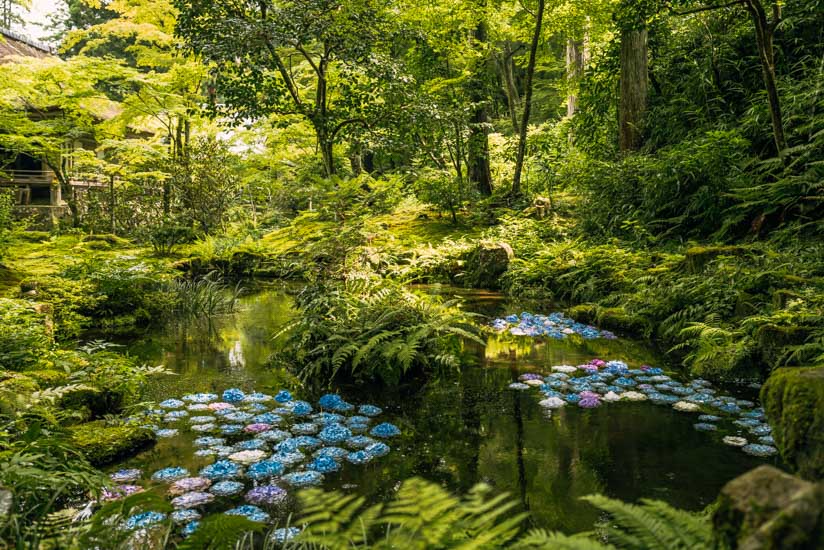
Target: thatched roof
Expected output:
[13,44]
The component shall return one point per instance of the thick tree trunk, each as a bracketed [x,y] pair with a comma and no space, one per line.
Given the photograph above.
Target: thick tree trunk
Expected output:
[326,147]
[478,167]
[530,72]
[633,100]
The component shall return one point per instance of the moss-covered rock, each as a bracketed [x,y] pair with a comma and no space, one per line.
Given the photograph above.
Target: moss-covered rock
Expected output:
[103,443]
[617,318]
[697,257]
[770,510]
[794,401]
[583,313]
[485,265]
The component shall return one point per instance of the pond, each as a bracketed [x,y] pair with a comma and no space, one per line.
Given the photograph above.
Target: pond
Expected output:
[468,427]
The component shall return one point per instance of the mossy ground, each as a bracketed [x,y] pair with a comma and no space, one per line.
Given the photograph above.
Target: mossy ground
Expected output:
[102,443]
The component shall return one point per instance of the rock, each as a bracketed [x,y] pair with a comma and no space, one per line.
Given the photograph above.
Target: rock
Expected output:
[793,399]
[104,444]
[486,263]
[769,509]
[698,257]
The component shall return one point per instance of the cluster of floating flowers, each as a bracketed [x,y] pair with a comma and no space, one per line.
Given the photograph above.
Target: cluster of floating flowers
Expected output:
[261,445]
[554,325]
[598,382]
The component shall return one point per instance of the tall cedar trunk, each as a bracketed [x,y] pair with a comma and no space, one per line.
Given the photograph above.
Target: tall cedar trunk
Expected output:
[508,75]
[764,38]
[574,69]
[530,72]
[633,100]
[478,167]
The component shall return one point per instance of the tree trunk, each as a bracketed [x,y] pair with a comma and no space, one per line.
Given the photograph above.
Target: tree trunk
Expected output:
[633,100]
[111,205]
[574,69]
[478,168]
[508,75]
[530,72]
[764,38]
[326,147]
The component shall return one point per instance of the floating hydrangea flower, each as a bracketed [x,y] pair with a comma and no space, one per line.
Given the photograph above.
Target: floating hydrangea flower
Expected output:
[251,445]
[238,416]
[633,396]
[566,369]
[190,528]
[552,403]
[284,534]
[705,427]
[202,419]
[385,429]
[330,401]
[274,435]
[220,406]
[227,488]
[358,428]
[307,442]
[530,376]
[359,441]
[534,383]
[287,445]
[334,433]
[358,419]
[252,513]
[302,408]
[247,457]
[205,452]
[170,474]
[611,397]
[122,476]
[172,404]
[222,469]
[223,450]
[359,457]
[188,484]
[518,386]
[289,458]
[185,516]
[324,464]
[145,519]
[332,452]
[192,500]
[709,418]
[233,395]
[663,399]
[378,449]
[267,495]
[255,408]
[264,469]
[268,418]
[171,416]
[120,491]
[325,418]
[198,407]
[589,402]
[257,397]
[305,428]
[767,440]
[572,398]
[303,478]
[684,406]
[209,441]
[369,410]
[203,428]
[734,441]
[755,449]
[166,433]
[257,428]
[200,397]
[731,408]
[283,396]
[229,429]
[761,430]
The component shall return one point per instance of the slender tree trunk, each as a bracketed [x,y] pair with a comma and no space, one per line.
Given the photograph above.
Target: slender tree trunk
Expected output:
[508,74]
[764,31]
[633,100]
[530,72]
[574,69]
[478,168]
[111,204]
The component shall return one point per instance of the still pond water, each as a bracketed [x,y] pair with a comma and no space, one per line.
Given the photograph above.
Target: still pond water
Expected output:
[467,427]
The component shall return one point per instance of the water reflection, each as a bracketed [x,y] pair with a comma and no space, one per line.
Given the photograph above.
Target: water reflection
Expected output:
[467,427]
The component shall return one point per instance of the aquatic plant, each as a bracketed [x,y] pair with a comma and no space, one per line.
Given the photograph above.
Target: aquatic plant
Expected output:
[204,297]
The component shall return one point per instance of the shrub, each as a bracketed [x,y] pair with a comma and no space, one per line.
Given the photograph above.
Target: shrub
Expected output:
[24,334]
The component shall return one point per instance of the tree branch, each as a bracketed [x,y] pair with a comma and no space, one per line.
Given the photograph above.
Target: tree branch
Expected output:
[707,8]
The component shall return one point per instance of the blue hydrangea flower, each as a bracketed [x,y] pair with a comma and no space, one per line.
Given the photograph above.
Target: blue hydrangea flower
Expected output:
[202,419]
[755,449]
[705,427]
[175,415]
[385,429]
[226,488]
[145,519]
[265,469]
[222,469]
[284,534]
[287,445]
[334,433]
[283,396]
[767,440]
[332,452]
[190,528]
[330,401]
[184,516]
[305,428]
[709,418]
[761,430]
[205,452]
[357,428]
[324,464]
[233,395]
[200,397]
[303,478]
[359,441]
[307,442]
[257,397]
[255,408]
[302,408]
[324,418]
[126,475]
[274,435]
[166,433]
[268,418]
[359,457]
[238,416]
[172,404]
[251,445]
[377,449]
[572,398]
[370,410]
[229,429]
[170,474]
[289,458]
[252,513]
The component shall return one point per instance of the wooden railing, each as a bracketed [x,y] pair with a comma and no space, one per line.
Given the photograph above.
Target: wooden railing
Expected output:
[45,177]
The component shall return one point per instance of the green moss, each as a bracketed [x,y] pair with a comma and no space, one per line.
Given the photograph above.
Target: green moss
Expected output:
[103,443]
[16,383]
[697,257]
[48,378]
[25,334]
[616,318]
[794,401]
[583,313]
